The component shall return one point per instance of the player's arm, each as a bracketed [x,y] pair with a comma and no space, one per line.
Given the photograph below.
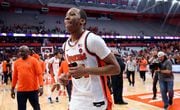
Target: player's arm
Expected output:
[14,81]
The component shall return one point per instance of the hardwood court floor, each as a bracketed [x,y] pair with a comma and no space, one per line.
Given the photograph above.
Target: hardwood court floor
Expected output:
[6,103]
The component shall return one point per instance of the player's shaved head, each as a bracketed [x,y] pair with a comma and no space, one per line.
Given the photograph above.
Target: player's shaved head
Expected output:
[24,48]
[24,51]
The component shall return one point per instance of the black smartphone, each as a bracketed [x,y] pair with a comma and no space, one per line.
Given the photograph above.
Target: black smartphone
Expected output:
[74,64]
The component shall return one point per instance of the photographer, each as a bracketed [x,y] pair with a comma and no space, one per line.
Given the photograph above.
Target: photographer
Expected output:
[166,79]
[154,65]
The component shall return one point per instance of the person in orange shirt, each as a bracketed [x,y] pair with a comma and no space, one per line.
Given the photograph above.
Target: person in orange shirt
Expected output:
[41,63]
[26,74]
[143,68]
[64,69]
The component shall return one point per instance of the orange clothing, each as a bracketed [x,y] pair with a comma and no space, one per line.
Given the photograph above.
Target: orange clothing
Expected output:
[63,68]
[143,65]
[43,66]
[26,74]
[40,78]
[4,65]
[105,87]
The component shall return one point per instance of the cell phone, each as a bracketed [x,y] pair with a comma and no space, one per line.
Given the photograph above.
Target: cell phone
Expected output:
[74,64]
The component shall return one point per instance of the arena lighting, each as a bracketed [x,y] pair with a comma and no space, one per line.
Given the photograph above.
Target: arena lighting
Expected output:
[54,35]
[169,37]
[45,35]
[19,35]
[161,0]
[169,12]
[103,36]
[147,37]
[3,34]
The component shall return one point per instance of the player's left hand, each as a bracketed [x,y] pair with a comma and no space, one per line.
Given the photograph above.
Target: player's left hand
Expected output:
[12,93]
[40,91]
[77,72]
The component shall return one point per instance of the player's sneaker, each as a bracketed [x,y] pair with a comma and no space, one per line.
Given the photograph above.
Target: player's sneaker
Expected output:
[50,100]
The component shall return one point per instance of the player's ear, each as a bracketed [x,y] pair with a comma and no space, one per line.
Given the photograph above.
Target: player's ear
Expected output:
[82,21]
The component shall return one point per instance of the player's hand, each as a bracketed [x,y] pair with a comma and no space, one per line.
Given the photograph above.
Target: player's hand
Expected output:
[12,93]
[63,79]
[40,91]
[77,72]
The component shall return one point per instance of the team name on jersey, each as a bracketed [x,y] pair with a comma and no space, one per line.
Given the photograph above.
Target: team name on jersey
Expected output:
[77,57]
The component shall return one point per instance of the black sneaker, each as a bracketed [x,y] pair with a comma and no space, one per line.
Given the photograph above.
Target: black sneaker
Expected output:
[154,98]
[133,84]
[166,107]
[50,100]
[57,99]
[170,101]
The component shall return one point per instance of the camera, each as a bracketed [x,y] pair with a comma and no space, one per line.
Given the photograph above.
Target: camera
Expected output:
[155,66]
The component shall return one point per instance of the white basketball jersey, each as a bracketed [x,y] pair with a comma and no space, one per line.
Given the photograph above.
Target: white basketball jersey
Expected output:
[87,89]
[55,65]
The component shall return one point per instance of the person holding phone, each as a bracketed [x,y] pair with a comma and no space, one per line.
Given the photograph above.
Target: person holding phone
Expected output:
[94,62]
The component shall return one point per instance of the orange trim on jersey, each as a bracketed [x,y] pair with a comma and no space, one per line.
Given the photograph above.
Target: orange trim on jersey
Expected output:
[106,90]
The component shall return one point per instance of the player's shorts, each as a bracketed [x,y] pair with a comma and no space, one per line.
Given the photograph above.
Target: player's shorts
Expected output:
[76,104]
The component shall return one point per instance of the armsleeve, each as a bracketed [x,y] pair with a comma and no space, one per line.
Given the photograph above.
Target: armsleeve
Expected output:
[96,45]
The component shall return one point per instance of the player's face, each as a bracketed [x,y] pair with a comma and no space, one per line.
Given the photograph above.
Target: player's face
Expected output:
[72,20]
[59,55]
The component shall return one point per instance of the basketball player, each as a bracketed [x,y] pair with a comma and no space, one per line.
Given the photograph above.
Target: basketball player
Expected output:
[54,64]
[85,52]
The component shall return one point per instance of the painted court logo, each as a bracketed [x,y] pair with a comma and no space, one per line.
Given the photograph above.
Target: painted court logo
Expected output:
[147,98]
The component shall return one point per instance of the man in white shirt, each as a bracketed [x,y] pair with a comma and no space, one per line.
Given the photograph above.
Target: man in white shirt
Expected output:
[130,69]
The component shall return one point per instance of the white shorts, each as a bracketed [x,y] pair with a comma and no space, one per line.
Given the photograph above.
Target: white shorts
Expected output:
[84,105]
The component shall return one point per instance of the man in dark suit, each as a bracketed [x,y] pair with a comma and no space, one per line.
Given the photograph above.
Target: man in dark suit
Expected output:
[117,82]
